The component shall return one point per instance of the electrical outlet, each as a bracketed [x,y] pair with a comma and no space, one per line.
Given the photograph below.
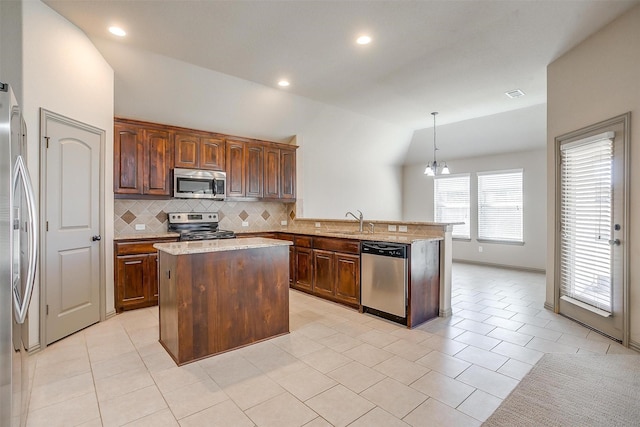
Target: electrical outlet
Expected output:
[140,227]
[402,228]
[317,225]
[245,223]
[391,227]
[479,248]
[284,222]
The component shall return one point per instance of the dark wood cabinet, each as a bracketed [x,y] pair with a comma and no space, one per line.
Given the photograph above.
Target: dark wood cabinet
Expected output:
[323,272]
[254,168]
[142,160]
[235,168]
[199,151]
[279,173]
[304,268]
[157,162]
[145,154]
[347,281]
[287,174]
[326,267]
[136,273]
[128,162]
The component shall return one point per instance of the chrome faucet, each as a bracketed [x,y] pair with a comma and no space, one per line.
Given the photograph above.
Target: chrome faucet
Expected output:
[360,218]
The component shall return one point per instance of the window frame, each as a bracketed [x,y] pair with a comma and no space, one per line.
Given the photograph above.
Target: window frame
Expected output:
[481,205]
[467,224]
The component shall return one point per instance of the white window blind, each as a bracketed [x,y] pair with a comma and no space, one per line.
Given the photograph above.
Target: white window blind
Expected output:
[585,221]
[451,203]
[500,206]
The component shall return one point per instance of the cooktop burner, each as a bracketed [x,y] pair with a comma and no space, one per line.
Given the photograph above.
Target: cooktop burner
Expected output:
[197,226]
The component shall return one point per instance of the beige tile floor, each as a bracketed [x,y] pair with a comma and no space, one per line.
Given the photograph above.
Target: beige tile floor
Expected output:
[336,368]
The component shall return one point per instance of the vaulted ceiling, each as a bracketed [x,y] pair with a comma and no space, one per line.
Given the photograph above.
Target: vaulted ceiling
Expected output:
[455,57]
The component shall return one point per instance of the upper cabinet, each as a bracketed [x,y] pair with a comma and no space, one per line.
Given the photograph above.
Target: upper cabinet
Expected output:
[142,160]
[145,154]
[199,151]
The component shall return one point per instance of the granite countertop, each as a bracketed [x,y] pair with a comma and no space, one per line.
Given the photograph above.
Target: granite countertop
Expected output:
[204,246]
[378,237]
[146,236]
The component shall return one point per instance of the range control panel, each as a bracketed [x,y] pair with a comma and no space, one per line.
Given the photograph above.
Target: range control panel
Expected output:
[192,217]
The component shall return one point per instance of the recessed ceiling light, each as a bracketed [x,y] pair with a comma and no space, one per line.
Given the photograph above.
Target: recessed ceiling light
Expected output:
[517,93]
[283,83]
[117,31]
[363,40]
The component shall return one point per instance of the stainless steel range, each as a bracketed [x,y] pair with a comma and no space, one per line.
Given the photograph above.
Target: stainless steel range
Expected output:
[197,226]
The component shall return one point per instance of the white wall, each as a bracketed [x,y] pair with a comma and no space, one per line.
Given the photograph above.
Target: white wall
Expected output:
[346,161]
[418,206]
[595,81]
[11,46]
[63,72]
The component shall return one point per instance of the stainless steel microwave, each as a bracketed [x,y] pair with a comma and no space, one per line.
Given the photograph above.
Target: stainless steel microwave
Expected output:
[199,184]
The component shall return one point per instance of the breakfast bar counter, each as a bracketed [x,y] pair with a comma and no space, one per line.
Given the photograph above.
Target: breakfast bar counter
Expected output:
[217,295]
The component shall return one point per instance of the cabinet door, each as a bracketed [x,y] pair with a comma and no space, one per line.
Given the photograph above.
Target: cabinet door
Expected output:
[187,151]
[235,168]
[348,278]
[272,173]
[323,272]
[131,281]
[128,169]
[255,170]
[152,277]
[212,153]
[304,268]
[288,174]
[157,170]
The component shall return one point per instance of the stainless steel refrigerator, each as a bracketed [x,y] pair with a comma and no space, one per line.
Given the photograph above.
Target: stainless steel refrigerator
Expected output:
[18,260]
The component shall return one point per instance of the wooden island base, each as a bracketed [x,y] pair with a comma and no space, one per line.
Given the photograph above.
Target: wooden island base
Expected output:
[217,301]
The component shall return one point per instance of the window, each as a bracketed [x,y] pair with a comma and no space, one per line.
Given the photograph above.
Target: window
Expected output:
[451,203]
[500,206]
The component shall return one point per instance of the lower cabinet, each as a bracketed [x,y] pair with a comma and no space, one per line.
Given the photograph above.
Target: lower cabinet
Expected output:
[327,267]
[136,273]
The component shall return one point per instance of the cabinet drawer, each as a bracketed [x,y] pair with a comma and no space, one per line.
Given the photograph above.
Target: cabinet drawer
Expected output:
[337,245]
[285,236]
[303,241]
[139,247]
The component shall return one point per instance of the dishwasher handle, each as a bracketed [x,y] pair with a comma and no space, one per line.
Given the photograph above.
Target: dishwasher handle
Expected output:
[386,249]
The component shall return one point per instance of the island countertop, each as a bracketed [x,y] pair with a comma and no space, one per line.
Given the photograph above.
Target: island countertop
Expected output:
[220,245]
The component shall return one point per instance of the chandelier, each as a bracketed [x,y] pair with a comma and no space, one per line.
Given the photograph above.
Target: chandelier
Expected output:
[435,168]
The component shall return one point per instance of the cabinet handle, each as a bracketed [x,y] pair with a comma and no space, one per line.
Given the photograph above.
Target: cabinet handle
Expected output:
[132,262]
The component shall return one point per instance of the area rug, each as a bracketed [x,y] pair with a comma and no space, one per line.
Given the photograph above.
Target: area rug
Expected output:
[574,390]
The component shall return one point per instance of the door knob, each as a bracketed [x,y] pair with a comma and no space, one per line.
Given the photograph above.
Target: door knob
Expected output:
[615,242]
[96,238]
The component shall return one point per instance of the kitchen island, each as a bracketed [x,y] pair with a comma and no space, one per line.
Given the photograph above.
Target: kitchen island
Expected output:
[217,295]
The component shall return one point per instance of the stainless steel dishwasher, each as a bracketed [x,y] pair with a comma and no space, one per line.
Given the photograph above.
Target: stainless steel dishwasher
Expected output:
[384,279]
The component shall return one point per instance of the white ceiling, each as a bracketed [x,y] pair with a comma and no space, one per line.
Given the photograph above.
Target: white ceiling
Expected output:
[455,57]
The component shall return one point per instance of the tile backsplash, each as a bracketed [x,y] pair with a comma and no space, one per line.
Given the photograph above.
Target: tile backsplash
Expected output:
[153,214]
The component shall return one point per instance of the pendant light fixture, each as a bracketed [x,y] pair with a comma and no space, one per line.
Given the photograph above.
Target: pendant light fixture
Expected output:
[435,168]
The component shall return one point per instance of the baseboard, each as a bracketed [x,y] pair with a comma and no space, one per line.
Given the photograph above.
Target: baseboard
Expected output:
[446,313]
[634,346]
[549,307]
[110,314]
[509,267]
[33,349]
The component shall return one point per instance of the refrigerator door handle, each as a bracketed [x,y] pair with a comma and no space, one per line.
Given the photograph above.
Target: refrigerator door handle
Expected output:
[21,175]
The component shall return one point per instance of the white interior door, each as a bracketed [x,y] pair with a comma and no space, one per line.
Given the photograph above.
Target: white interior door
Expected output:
[591,285]
[72,238]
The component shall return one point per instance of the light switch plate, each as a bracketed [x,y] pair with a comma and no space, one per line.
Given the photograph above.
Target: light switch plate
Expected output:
[140,227]
[283,222]
[391,228]
[402,228]
[245,223]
